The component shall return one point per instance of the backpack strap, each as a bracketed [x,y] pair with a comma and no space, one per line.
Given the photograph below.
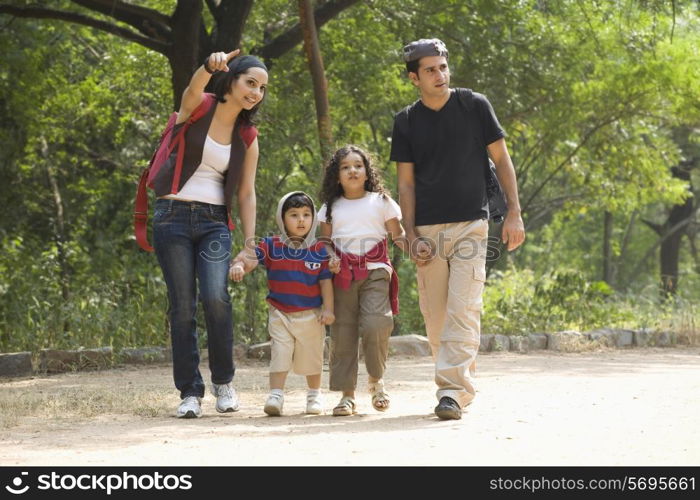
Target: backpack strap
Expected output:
[141,202]
[141,212]
[466,98]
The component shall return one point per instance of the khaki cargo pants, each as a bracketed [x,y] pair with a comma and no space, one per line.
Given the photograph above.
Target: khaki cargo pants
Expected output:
[361,311]
[449,292]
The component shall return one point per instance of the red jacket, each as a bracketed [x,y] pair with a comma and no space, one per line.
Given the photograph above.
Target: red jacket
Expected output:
[354,267]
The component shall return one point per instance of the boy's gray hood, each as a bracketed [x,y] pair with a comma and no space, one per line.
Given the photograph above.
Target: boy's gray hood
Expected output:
[311,236]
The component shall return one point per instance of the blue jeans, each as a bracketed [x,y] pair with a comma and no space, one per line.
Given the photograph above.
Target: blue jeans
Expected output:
[193,243]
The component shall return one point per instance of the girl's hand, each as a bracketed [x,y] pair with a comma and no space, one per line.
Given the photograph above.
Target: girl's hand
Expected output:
[218,61]
[334,264]
[326,317]
[236,271]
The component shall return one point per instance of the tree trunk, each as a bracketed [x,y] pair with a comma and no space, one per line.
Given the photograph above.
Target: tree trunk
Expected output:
[670,248]
[607,247]
[184,49]
[623,248]
[318,76]
[59,232]
[227,35]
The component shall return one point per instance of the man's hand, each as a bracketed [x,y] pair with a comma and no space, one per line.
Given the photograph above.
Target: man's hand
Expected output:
[421,252]
[326,317]
[513,231]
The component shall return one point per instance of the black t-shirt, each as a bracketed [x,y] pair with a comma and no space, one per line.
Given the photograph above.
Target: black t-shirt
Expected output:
[448,150]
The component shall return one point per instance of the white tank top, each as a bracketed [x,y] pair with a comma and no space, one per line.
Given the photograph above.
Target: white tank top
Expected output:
[207,182]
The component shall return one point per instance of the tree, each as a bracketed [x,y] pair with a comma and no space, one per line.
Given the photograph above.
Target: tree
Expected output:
[318,77]
[181,37]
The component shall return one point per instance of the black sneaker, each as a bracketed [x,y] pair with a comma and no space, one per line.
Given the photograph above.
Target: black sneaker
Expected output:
[448,409]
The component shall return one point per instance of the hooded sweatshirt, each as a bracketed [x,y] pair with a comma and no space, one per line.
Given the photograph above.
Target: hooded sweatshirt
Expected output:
[294,271]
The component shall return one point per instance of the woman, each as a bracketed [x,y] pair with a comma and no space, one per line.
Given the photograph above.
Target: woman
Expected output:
[191,225]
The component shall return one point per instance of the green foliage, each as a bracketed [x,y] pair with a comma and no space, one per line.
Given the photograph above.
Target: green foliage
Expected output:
[599,100]
[519,302]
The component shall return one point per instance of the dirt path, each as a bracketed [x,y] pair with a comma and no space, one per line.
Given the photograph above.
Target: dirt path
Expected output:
[633,407]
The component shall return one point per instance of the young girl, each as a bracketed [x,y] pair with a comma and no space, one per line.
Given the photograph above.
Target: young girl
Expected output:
[357,215]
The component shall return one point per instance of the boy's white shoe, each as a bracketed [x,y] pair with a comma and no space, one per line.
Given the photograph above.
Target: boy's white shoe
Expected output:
[314,403]
[226,398]
[273,406]
[190,407]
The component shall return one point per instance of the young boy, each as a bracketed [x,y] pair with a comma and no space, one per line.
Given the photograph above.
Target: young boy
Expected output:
[300,298]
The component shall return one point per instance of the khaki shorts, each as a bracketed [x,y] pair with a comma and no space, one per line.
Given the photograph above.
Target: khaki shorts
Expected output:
[297,341]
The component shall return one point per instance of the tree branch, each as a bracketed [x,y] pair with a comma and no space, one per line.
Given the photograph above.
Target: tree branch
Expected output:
[677,227]
[657,228]
[212,5]
[293,36]
[566,160]
[150,22]
[41,13]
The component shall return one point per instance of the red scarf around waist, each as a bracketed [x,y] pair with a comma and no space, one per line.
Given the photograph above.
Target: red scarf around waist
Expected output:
[354,267]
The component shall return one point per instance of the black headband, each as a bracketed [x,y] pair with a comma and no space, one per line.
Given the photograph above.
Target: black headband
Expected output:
[244,63]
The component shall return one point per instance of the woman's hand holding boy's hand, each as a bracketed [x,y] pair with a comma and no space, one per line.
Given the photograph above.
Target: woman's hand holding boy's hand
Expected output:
[236,271]
[326,317]
[247,258]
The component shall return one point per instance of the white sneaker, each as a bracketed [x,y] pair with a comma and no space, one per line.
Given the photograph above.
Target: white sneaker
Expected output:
[190,407]
[226,398]
[273,406]
[314,404]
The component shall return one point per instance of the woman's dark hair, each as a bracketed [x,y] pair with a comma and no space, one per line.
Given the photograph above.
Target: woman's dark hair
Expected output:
[331,189]
[297,201]
[238,66]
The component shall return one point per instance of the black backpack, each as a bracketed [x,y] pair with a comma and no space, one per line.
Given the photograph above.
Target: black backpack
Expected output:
[497,201]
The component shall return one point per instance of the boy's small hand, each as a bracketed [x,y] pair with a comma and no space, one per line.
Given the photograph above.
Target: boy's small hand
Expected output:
[326,317]
[236,271]
[334,264]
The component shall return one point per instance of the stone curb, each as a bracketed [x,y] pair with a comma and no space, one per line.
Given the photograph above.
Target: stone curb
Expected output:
[16,364]
[57,361]
[19,364]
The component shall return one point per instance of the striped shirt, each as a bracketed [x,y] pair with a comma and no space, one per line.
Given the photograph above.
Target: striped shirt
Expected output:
[293,274]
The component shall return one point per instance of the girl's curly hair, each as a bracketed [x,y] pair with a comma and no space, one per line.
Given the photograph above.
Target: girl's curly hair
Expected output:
[331,189]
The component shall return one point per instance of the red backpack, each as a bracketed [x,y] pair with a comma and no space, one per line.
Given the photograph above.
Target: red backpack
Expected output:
[166,146]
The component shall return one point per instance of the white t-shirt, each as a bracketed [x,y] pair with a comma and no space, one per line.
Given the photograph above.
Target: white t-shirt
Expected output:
[358,225]
[207,182]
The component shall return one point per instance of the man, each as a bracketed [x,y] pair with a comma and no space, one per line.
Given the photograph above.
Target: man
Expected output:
[442,144]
